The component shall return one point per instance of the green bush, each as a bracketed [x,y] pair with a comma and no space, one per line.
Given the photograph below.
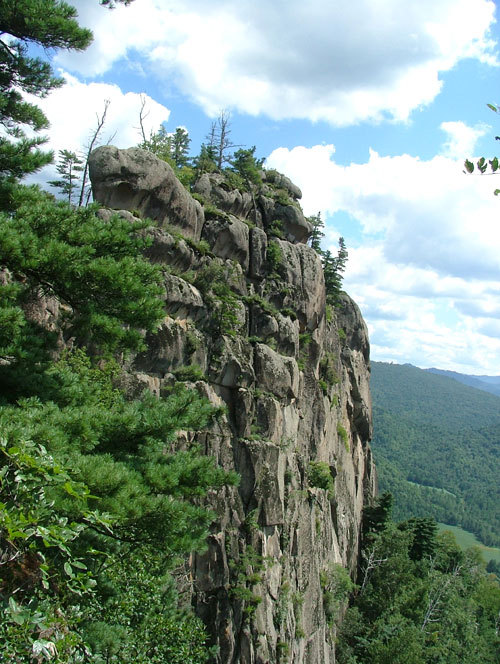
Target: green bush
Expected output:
[343,434]
[274,257]
[320,476]
[276,229]
[190,373]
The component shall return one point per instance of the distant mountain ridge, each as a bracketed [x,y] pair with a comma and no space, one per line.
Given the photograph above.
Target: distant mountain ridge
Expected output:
[436,445]
[489,384]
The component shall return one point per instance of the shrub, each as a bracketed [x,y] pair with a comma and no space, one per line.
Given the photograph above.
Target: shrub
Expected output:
[336,585]
[343,434]
[274,257]
[276,229]
[191,373]
[320,476]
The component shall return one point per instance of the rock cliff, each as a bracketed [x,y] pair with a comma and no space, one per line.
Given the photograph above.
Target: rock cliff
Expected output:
[246,323]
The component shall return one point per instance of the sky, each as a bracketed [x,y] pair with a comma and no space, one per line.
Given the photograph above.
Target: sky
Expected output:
[370,107]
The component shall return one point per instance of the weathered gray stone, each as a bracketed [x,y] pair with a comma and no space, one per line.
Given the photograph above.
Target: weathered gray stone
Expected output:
[106,214]
[282,182]
[170,250]
[134,179]
[176,344]
[183,299]
[268,469]
[213,188]
[356,356]
[228,239]
[258,247]
[303,274]
[295,226]
[275,533]
[288,335]
[232,365]
[276,373]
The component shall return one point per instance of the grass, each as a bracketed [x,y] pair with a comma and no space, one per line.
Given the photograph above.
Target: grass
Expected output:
[465,540]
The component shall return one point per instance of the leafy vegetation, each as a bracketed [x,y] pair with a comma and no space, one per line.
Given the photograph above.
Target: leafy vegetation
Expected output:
[96,497]
[51,25]
[436,448]
[319,475]
[482,164]
[419,599]
[333,266]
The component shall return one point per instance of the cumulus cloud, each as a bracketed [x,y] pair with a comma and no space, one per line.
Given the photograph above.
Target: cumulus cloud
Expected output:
[424,257]
[343,63]
[462,139]
[73,110]
[430,214]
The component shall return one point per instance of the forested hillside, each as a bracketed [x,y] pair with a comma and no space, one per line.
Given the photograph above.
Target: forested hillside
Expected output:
[437,446]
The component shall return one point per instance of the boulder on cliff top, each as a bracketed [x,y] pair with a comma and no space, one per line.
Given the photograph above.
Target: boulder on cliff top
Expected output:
[135,179]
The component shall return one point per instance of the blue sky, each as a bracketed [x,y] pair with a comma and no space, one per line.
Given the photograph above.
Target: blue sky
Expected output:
[369,106]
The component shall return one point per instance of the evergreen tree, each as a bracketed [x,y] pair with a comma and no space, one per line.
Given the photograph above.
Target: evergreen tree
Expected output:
[172,148]
[245,164]
[419,609]
[333,268]
[107,531]
[179,147]
[317,232]
[94,268]
[377,514]
[69,168]
[159,143]
[96,505]
[424,530]
[205,161]
[52,25]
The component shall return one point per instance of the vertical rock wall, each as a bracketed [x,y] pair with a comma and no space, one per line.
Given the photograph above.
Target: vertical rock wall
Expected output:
[248,308]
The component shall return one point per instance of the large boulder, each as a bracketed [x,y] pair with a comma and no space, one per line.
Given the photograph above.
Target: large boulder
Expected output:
[282,182]
[295,226]
[134,179]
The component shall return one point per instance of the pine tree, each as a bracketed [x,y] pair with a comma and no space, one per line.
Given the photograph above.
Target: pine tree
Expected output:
[52,25]
[205,161]
[73,445]
[179,147]
[245,164]
[316,233]
[333,268]
[69,168]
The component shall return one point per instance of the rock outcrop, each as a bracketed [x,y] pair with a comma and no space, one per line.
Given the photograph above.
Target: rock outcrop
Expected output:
[250,313]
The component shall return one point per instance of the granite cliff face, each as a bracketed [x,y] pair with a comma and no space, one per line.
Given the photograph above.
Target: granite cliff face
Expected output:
[246,322]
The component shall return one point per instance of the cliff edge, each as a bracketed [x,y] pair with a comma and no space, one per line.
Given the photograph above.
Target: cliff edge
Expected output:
[247,325]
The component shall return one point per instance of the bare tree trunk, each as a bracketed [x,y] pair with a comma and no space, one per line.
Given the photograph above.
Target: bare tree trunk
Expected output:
[90,146]
[142,117]
[435,599]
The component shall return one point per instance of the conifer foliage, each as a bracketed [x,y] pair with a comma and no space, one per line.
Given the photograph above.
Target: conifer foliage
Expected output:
[96,499]
[51,25]
[333,266]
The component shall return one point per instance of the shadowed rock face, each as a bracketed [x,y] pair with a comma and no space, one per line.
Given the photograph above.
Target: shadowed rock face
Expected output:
[295,382]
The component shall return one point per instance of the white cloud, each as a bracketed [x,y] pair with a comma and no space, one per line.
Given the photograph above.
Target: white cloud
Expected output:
[461,139]
[73,110]
[424,256]
[343,63]
[432,216]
